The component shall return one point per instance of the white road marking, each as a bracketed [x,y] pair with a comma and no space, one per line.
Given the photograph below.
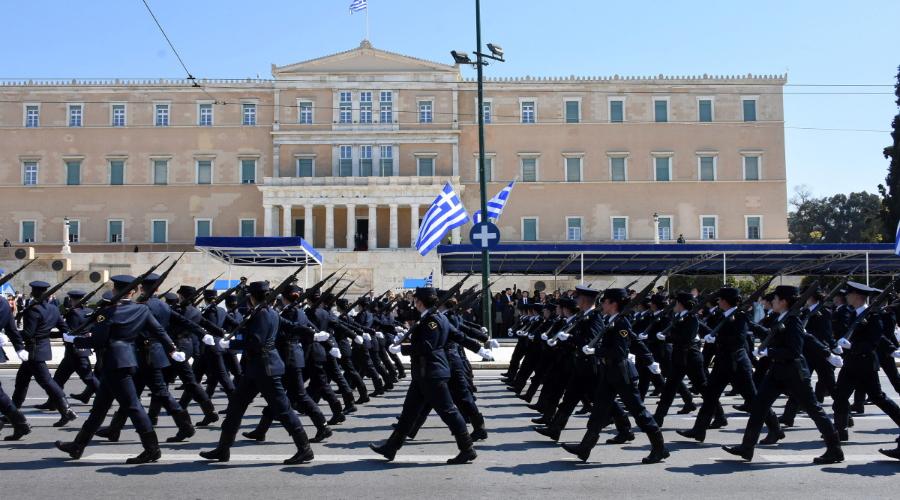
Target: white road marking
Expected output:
[186,457]
[809,458]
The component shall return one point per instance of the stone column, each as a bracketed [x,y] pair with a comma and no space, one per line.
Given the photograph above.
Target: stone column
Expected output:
[351,226]
[308,224]
[392,242]
[455,236]
[413,224]
[373,223]
[268,215]
[286,220]
[329,225]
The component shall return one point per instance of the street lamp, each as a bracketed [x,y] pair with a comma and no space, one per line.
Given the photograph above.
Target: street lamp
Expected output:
[655,228]
[479,63]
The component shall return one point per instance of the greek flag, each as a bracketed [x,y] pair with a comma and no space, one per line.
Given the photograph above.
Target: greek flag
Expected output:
[897,240]
[445,213]
[358,5]
[429,281]
[496,204]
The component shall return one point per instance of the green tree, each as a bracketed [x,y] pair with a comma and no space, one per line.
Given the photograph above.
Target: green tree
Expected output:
[890,194]
[853,218]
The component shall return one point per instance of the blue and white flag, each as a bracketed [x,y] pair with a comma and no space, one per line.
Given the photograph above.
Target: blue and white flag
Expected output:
[358,5]
[445,213]
[429,281]
[496,204]
[897,240]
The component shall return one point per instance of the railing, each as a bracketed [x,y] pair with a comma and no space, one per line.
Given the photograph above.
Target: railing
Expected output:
[358,181]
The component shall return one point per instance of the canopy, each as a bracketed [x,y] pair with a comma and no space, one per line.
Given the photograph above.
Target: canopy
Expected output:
[650,259]
[260,251]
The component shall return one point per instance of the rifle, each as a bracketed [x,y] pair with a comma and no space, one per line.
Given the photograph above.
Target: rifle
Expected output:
[198,295]
[45,296]
[798,304]
[88,297]
[344,290]
[837,288]
[9,276]
[449,295]
[358,301]
[222,296]
[873,305]
[271,295]
[327,291]
[149,291]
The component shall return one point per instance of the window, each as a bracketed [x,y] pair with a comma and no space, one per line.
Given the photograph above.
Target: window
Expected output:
[529,229]
[426,112]
[248,228]
[617,169]
[27,231]
[707,165]
[162,115]
[751,168]
[345,163]
[74,231]
[573,111]
[704,110]
[249,114]
[115,231]
[619,228]
[248,171]
[75,115]
[306,112]
[205,115]
[708,227]
[159,231]
[754,227]
[529,169]
[365,107]
[660,110]
[425,166]
[365,161]
[204,171]
[573,228]
[118,115]
[345,109]
[386,163]
[662,168]
[30,173]
[573,169]
[488,112]
[749,109]
[664,228]
[32,115]
[202,228]
[160,172]
[304,167]
[488,168]
[386,106]
[116,172]
[527,110]
[616,110]
[73,173]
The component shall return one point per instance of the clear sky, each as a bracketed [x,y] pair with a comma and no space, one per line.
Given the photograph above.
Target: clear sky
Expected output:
[814,42]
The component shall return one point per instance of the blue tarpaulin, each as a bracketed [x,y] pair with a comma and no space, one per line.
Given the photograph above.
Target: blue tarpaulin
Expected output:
[260,251]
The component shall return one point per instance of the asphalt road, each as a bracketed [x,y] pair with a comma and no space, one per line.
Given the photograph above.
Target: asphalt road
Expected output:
[513,462]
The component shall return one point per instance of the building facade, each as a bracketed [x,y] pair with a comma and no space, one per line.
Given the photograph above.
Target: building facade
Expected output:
[348,151]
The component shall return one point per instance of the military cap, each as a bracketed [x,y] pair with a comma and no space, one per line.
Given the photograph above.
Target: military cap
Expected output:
[615,294]
[170,298]
[39,285]
[730,294]
[231,299]
[186,290]
[854,287]
[567,303]
[425,292]
[686,299]
[786,292]
[586,291]
[343,304]
[769,296]
[122,280]
[76,294]
[210,294]
[150,278]
[658,300]
[107,296]
[258,286]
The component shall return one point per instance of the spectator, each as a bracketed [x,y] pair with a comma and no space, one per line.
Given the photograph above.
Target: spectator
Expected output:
[680,239]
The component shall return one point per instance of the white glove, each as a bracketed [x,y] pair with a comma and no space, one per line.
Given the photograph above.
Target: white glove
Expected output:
[760,353]
[335,353]
[224,344]
[654,368]
[23,355]
[5,340]
[544,337]
[486,354]
[552,342]
[631,358]
[588,350]
[521,333]
[709,339]
[897,333]
[493,344]
[835,360]
[208,339]
[358,340]
[399,329]
[484,329]
[642,336]
[66,338]
[178,356]
[844,343]
[562,336]
[394,348]
[367,337]
[838,350]
[661,336]
[896,354]
[320,336]
[509,332]
[379,335]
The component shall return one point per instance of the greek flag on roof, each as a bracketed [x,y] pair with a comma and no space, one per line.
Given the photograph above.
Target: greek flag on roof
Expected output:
[429,281]
[496,204]
[358,5]
[445,213]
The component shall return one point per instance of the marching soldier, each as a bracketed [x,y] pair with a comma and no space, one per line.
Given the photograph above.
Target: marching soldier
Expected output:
[7,408]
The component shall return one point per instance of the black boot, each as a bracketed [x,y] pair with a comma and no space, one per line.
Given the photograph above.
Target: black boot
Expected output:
[112,432]
[658,451]
[209,414]
[772,438]
[833,453]
[76,447]
[337,412]
[46,406]
[696,435]
[304,452]
[349,406]
[83,398]
[583,449]
[222,452]
[741,451]
[785,421]
[542,420]
[895,453]
[478,431]
[551,431]
[19,431]
[151,451]
[718,423]
[323,432]
[65,417]
[621,438]
[585,410]
[687,408]
[185,427]
[389,448]
[466,452]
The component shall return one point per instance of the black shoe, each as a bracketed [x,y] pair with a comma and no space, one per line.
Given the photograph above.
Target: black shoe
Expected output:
[621,438]
[73,449]
[223,412]
[687,408]
[208,419]
[850,422]
[692,434]
[585,410]
[534,407]
[83,398]
[895,453]
[151,451]
[464,457]
[834,455]
[772,438]
[550,432]
[843,435]
[577,450]
[658,451]
[255,435]
[746,454]
[718,423]
[744,408]
[66,417]
[542,420]
[336,419]
[46,406]
[217,455]
[384,450]
[479,435]
[19,431]
[377,393]
[785,422]
[348,409]
[182,435]
[322,433]
[857,409]
[108,434]
[363,400]
[301,457]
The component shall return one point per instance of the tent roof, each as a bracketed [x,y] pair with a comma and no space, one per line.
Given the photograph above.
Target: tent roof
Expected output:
[260,251]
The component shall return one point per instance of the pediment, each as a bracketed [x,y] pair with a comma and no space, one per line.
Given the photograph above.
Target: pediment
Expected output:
[363,59]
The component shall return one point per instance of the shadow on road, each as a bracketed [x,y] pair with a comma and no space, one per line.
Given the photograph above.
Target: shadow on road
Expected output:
[733,466]
[373,465]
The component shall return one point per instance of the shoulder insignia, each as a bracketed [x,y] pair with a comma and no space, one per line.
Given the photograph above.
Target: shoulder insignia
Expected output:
[432,325]
[623,333]
[101,318]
